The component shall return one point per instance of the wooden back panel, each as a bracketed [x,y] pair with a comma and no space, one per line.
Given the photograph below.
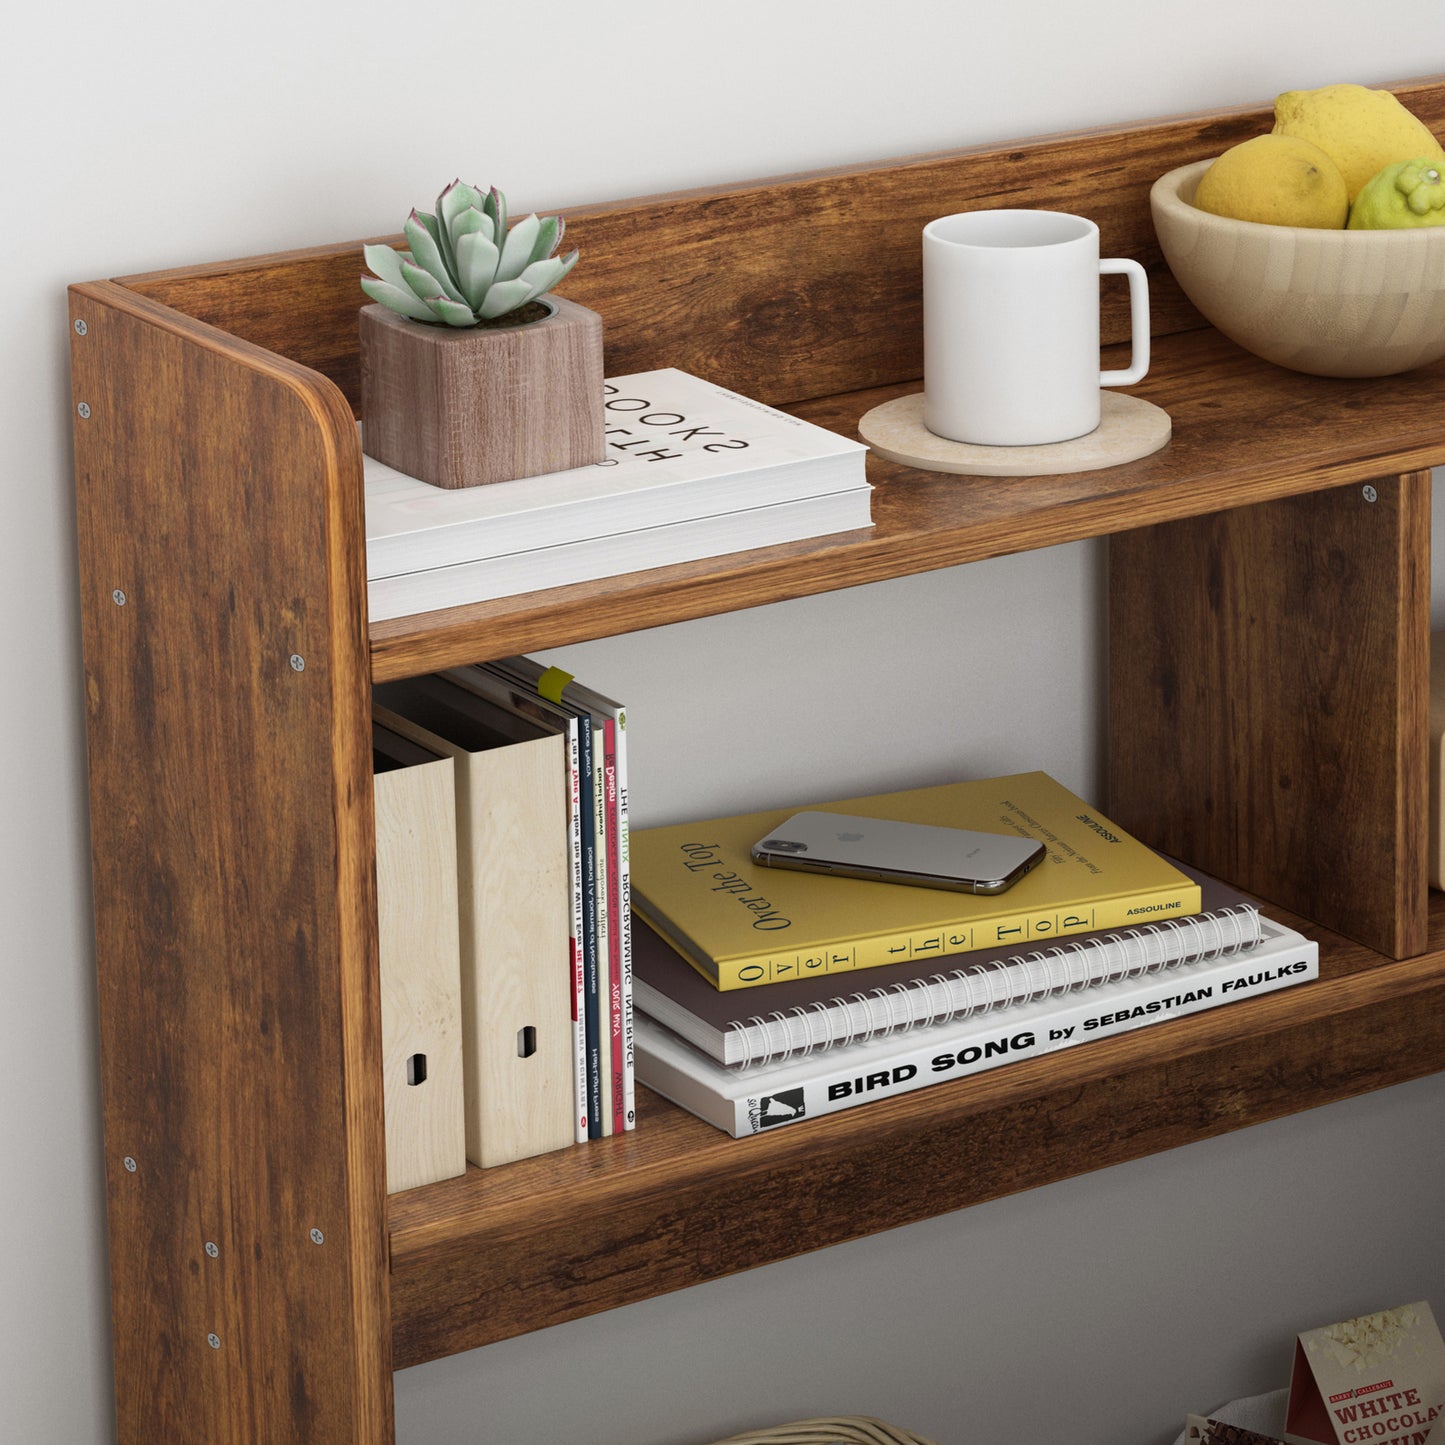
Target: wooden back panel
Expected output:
[784,290]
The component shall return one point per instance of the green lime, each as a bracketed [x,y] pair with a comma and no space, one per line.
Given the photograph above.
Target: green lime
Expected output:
[1408,193]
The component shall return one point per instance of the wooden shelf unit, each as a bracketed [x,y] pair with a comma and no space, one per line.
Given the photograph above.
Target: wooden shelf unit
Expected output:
[1269,586]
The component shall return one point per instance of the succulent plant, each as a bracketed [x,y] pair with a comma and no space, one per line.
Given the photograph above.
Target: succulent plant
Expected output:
[465,266]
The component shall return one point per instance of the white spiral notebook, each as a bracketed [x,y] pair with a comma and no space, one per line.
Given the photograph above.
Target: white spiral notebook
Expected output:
[755,1100]
[753,1026]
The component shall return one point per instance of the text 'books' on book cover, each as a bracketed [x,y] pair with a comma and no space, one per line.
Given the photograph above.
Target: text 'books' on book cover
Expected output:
[743,925]
[692,471]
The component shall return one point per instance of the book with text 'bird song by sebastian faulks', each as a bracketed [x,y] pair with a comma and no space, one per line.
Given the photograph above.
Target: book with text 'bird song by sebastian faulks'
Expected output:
[692,471]
[755,1100]
[743,1027]
[743,925]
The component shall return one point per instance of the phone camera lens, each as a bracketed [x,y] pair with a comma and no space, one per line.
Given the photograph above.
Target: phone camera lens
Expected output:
[785,845]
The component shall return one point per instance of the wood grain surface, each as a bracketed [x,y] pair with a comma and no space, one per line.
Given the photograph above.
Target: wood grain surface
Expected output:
[1268,700]
[1243,432]
[234,900]
[784,289]
[464,407]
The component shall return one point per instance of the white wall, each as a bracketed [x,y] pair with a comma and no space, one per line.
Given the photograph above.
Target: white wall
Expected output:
[153,134]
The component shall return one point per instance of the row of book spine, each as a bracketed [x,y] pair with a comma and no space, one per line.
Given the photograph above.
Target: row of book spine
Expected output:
[503,888]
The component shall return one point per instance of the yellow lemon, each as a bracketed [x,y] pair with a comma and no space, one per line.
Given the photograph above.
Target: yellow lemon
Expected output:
[1277,179]
[1361,130]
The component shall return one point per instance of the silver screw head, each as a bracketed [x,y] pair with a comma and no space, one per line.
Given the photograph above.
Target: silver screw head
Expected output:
[130,1165]
[80,327]
[118,597]
[212,1249]
[1370,493]
[298,663]
[214,1341]
[84,409]
[317,1237]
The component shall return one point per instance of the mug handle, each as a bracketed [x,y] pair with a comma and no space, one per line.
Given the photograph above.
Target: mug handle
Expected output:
[1138,318]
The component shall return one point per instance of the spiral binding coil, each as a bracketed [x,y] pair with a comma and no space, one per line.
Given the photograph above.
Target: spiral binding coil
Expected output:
[979,988]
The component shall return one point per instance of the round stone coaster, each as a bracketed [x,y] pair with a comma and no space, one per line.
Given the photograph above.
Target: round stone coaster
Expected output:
[1129,428]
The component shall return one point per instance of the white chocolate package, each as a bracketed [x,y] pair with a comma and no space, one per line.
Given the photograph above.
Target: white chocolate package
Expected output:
[1375,1380]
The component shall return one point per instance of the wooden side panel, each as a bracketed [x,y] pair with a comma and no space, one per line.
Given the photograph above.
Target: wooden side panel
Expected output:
[228,704]
[784,290]
[1269,671]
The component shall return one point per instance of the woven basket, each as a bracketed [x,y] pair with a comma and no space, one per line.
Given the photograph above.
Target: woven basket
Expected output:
[838,1430]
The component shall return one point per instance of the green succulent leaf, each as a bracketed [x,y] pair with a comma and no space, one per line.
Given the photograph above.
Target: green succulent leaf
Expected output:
[430,222]
[397,299]
[543,275]
[517,252]
[495,205]
[549,233]
[469,221]
[454,313]
[477,261]
[504,296]
[454,200]
[421,282]
[386,262]
[567,262]
[426,253]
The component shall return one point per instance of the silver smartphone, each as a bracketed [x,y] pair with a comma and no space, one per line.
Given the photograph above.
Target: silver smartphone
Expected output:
[890,852]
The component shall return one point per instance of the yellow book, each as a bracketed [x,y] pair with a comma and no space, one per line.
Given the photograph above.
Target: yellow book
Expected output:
[740,924]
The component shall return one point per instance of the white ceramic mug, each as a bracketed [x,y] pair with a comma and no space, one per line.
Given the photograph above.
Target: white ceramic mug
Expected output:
[1011,327]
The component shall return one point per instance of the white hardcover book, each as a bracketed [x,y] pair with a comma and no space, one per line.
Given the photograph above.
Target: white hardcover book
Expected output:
[679,449]
[406,593]
[753,1100]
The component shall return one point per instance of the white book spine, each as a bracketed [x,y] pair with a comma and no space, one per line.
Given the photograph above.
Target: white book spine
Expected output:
[975,988]
[428,589]
[751,1101]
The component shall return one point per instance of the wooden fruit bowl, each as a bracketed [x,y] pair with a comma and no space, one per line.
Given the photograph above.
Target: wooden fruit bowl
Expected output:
[1332,303]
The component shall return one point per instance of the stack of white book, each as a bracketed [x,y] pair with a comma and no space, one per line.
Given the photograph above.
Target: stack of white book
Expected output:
[692,471]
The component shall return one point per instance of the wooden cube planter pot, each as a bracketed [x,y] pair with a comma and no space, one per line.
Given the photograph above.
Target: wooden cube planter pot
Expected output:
[460,407]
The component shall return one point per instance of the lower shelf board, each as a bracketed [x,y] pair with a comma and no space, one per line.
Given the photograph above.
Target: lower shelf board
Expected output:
[500,1252]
